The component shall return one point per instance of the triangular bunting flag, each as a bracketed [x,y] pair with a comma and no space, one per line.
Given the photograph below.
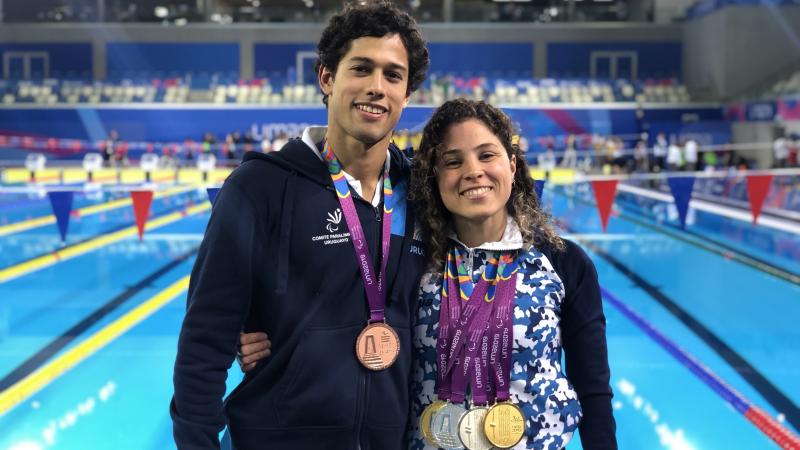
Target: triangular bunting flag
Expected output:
[757,189]
[212,194]
[538,187]
[604,193]
[141,208]
[61,202]
[681,188]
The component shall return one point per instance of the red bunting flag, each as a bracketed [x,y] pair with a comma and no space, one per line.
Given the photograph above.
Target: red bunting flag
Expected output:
[604,193]
[757,189]
[141,208]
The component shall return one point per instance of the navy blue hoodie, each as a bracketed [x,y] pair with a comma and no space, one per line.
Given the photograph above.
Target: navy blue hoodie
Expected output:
[276,257]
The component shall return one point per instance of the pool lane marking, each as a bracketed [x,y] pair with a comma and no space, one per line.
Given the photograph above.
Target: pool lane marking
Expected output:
[72,251]
[780,434]
[718,248]
[86,211]
[724,211]
[61,341]
[747,371]
[48,373]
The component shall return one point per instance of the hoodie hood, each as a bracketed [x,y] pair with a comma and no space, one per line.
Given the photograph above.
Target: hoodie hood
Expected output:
[511,240]
[302,156]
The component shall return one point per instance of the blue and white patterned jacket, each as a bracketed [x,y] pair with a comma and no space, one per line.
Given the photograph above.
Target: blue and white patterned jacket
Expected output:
[538,384]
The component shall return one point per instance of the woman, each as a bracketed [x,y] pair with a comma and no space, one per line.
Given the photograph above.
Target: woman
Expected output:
[482,217]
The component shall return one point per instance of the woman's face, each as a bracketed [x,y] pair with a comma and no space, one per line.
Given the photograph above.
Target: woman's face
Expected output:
[474,173]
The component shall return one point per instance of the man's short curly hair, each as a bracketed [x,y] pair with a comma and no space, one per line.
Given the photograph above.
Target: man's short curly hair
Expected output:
[373,19]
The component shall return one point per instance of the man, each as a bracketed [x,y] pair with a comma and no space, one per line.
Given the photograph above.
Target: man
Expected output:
[660,149]
[286,253]
[780,152]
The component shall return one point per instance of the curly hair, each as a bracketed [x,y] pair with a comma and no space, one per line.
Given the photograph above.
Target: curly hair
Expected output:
[523,205]
[373,19]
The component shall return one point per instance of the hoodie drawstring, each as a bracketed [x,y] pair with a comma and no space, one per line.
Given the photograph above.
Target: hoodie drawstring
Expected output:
[286,233]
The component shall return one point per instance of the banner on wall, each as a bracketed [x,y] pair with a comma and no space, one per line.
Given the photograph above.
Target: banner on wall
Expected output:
[789,109]
[75,131]
[761,112]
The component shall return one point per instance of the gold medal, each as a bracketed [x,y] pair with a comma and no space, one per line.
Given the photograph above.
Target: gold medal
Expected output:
[470,429]
[504,425]
[377,346]
[425,421]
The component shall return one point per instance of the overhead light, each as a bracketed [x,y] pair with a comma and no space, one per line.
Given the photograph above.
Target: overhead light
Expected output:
[554,11]
[161,12]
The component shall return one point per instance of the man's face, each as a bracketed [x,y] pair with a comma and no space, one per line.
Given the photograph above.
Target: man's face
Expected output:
[368,92]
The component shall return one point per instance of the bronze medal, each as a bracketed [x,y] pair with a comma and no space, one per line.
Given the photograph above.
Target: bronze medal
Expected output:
[425,421]
[377,346]
[504,425]
[470,429]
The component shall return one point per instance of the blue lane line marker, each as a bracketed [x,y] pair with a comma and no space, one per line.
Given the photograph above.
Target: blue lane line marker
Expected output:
[734,398]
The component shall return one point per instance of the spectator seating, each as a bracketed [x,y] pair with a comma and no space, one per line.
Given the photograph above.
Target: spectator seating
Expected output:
[216,89]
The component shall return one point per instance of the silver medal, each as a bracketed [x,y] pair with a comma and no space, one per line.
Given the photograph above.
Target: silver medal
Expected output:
[470,429]
[444,426]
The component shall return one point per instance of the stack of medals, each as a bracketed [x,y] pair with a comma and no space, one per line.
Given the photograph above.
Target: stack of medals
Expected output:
[475,340]
[378,345]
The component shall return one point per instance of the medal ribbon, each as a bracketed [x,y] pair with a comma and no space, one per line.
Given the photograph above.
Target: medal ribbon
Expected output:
[374,286]
[474,365]
[454,319]
[501,329]
[463,322]
[442,381]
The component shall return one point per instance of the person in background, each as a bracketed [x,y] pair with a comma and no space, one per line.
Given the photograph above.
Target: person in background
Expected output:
[690,154]
[547,160]
[266,144]
[570,159]
[674,156]
[279,141]
[710,160]
[109,146]
[780,152]
[208,143]
[794,151]
[660,149]
[640,156]
[402,140]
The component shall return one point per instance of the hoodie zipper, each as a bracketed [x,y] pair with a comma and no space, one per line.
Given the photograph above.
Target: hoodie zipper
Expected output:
[360,407]
[362,377]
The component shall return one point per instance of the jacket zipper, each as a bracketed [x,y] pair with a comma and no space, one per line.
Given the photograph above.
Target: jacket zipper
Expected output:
[362,378]
[362,382]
